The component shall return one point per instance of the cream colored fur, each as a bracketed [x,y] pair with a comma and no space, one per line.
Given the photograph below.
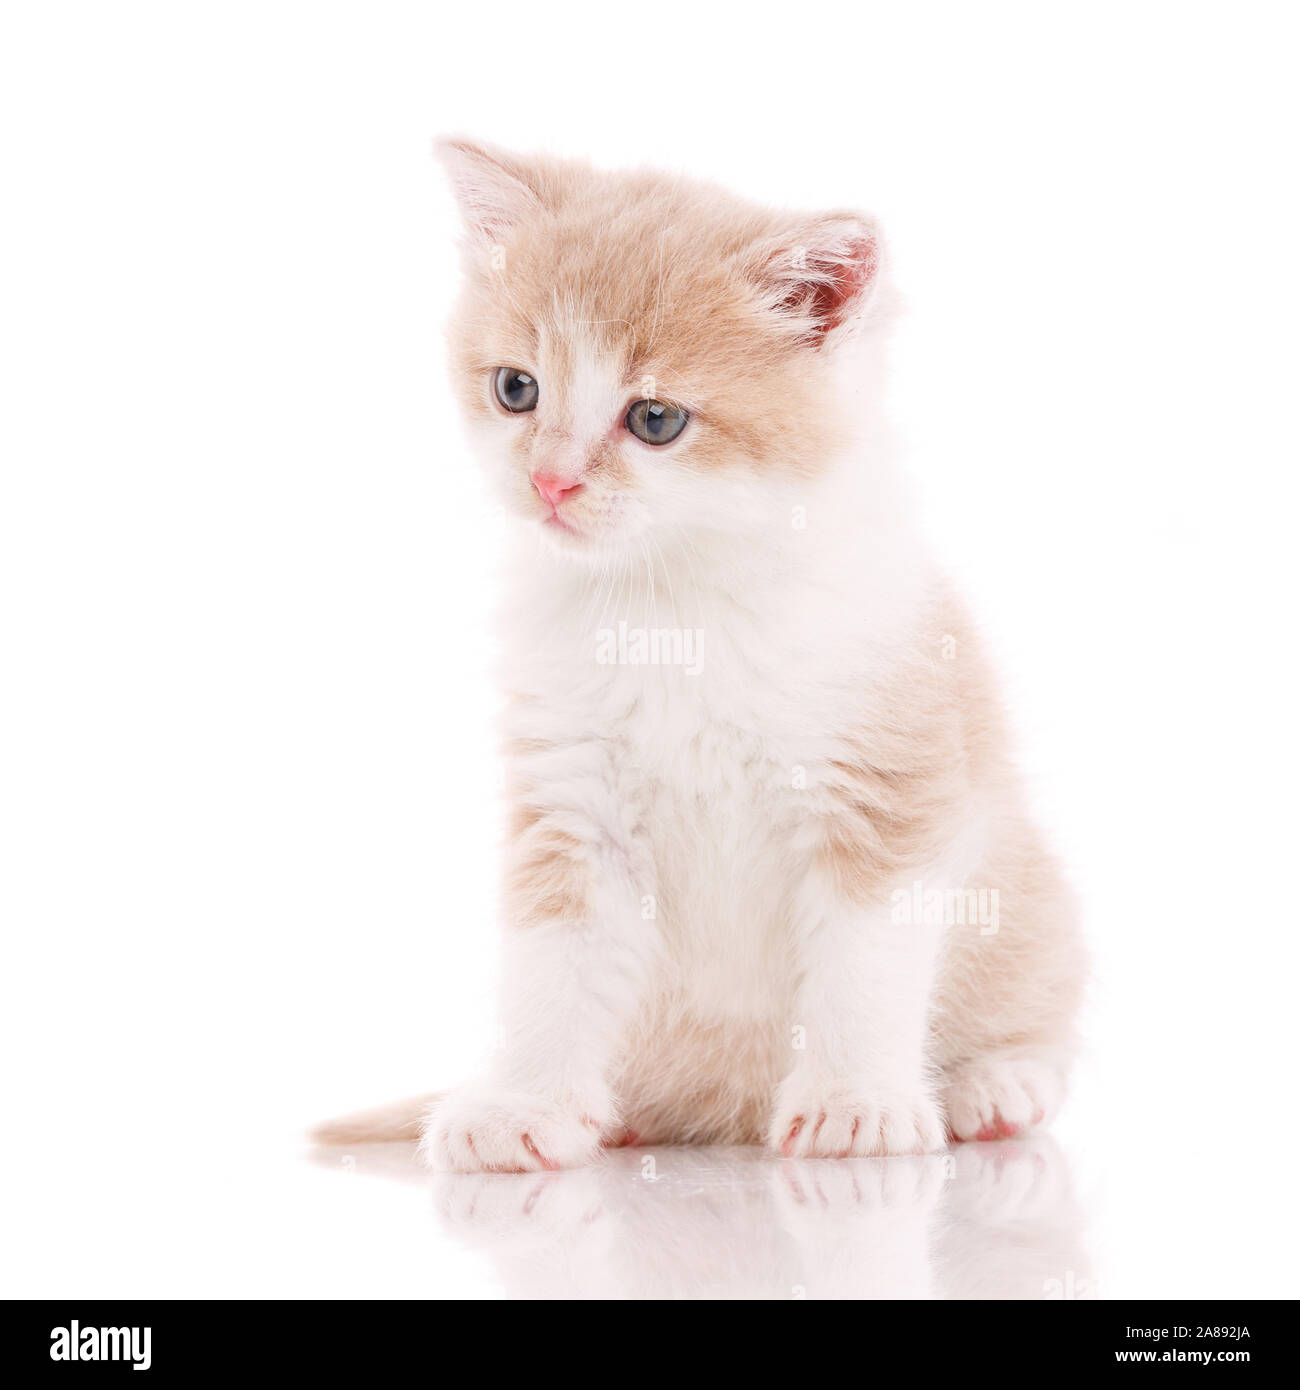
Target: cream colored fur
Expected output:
[733,892]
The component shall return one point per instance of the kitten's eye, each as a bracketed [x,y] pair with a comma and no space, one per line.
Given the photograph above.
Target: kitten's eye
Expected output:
[516,390]
[655,422]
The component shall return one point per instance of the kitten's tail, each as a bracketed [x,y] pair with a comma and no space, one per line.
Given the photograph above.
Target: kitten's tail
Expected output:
[385,1123]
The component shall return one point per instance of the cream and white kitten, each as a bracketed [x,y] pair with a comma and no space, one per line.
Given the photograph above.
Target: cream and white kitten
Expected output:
[770,878]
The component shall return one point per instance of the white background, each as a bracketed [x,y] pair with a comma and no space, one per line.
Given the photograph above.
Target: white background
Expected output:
[247,779]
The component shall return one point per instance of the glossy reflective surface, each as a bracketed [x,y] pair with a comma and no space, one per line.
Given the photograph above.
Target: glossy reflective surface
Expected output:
[982,1221]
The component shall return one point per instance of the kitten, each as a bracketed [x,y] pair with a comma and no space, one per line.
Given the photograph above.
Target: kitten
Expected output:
[770,878]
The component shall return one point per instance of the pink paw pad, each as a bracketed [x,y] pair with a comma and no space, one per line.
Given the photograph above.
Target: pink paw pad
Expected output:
[999,1129]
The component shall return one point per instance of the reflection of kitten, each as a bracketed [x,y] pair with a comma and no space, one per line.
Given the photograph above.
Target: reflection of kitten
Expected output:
[712,883]
[989,1221]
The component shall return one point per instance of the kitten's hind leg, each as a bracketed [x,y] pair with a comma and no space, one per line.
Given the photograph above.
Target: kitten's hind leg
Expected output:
[1002,1092]
[1005,1023]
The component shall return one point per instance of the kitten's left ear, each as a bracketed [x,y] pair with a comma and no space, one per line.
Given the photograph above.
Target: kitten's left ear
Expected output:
[821,278]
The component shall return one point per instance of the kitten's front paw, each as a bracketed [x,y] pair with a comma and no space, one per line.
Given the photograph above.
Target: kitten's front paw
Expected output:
[853,1119]
[485,1129]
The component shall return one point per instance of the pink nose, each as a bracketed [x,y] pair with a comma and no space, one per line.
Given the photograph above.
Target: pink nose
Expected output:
[552,489]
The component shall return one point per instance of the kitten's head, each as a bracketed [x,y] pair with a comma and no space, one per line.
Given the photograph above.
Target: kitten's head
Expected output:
[640,354]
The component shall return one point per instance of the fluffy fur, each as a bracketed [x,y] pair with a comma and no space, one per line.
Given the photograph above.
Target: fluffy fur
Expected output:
[714,874]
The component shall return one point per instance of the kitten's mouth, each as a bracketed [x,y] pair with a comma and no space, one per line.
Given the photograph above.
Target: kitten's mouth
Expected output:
[562,526]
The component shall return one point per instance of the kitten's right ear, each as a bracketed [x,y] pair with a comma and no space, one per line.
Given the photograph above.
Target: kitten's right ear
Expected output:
[495,190]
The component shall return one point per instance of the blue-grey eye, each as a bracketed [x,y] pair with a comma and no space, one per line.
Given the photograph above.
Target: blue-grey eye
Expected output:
[516,390]
[655,422]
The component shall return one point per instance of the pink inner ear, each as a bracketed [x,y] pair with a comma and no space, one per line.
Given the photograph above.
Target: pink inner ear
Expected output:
[849,279]
[490,187]
[836,282]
